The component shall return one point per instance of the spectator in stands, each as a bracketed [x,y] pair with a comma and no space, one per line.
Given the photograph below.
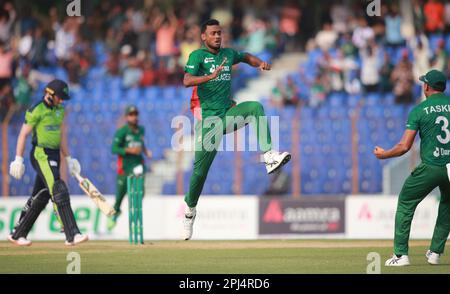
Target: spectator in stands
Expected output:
[292,95]
[190,43]
[277,94]
[447,69]
[447,17]
[340,15]
[136,18]
[362,33]
[127,36]
[434,16]
[289,20]
[7,18]
[165,38]
[318,92]
[6,66]
[271,40]
[419,16]
[393,21]
[403,80]
[65,39]
[77,67]
[23,89]
[370,66]
[113,64]
[149,75]
[255,39]
[346,45]
[25,44]
[285,94]
[6,75]
[439,60]
[6,101]
[145,34]
[385,74]
[111,42]
[132,73]
[39,48]
[51,22]
[422,55]
[223,14]
[327,37]
[163,74]
[73,68]
[342,67]
[115,17]
[336,72]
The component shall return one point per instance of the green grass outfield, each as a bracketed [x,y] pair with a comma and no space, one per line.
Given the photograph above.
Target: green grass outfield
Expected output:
[181,257]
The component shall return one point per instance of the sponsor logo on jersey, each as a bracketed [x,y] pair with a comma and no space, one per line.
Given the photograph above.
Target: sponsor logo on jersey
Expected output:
[208,60]
[436,152]
[52,128]
[441,152]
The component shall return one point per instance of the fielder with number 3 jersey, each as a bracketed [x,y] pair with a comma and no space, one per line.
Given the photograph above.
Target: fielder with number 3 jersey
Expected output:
[431,119]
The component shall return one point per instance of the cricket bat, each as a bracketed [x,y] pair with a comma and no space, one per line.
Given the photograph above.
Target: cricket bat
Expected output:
[95,195]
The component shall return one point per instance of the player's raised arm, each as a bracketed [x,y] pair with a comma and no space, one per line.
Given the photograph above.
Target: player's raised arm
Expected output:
[256,62]
[399,149]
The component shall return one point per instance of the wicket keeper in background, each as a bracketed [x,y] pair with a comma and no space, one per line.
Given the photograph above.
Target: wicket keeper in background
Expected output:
[129,145]
[209,70]
[44,121]
[431,119]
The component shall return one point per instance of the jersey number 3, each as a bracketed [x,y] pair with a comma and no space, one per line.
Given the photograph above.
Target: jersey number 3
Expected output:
[446,138]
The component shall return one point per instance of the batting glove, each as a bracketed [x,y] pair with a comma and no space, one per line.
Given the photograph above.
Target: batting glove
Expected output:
[73,165]
[17,168]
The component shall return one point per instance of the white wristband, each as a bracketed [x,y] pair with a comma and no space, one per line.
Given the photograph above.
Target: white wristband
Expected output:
[19,159]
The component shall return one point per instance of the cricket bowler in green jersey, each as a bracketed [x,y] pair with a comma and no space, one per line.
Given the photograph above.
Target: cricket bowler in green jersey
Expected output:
[128,145]
[44,122]
[209,71]
[431,119]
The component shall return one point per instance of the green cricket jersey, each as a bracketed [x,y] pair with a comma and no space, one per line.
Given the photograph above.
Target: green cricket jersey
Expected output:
[431,118]
[46,121]
[124,138]
[215,95]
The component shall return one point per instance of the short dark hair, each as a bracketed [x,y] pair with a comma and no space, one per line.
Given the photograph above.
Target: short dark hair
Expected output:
[209,22]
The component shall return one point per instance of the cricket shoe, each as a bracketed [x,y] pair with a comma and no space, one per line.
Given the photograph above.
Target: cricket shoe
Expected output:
[188,222]
[274,160]
[432,258]
[19,242]
[398,261]
[77,239]
[111,223]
